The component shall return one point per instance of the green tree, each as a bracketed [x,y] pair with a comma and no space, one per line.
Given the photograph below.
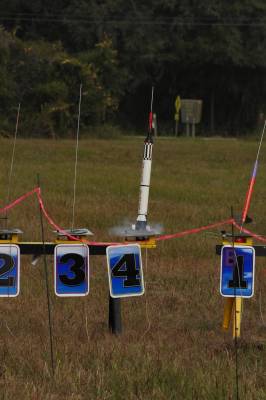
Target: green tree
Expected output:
[207,49]
[46,80]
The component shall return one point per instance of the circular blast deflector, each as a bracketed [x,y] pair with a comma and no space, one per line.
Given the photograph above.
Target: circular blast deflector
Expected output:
[78,233]
[8,234]
[136,231]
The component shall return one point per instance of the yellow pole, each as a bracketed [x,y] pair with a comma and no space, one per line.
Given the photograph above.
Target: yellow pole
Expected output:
[228,307]
[237,314]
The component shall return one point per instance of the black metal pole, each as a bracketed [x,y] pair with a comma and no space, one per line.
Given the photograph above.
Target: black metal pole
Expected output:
[115,320]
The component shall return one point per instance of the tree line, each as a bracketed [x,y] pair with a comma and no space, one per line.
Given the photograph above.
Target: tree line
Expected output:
[214,51]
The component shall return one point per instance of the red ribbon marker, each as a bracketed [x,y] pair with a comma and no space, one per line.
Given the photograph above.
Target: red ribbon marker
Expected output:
[19,200]
[195,230]
[37,191]
[249,192]
[252,181]
[254,235]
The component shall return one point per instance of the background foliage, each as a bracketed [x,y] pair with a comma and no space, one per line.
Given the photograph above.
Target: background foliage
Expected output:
[196,49]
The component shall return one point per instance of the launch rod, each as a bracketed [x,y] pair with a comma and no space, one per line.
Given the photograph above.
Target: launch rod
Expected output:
[12,160]
[76,159]
[252,180]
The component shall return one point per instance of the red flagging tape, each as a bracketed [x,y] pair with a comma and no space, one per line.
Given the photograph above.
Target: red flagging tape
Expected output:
[37,190]
[163,237]
[254,235]
[57,228]
[195,230]
[19,200]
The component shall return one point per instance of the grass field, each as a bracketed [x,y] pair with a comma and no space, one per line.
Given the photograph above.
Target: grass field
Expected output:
[172,346]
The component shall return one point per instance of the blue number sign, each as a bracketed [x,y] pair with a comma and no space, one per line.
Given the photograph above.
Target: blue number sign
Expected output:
[237,271]
[71,269]
[125,270]
[9,270]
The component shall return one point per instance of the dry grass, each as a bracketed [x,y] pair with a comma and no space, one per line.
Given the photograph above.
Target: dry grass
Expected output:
[172,346]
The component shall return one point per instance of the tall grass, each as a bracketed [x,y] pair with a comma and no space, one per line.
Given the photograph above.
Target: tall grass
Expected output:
[172,346]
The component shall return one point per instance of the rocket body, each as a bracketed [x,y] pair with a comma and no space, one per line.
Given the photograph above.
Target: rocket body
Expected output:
[140,230]
[145,185]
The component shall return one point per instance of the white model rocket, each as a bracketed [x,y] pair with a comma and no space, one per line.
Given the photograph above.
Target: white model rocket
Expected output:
[141,223]
[141,230]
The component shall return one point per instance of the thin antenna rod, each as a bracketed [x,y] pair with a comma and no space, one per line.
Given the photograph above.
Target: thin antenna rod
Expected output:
[235,333]
[47,288]
[76,160]
[261,139]
[12,160]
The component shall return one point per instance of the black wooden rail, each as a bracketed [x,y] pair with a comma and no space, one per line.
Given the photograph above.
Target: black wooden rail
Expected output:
[39,248]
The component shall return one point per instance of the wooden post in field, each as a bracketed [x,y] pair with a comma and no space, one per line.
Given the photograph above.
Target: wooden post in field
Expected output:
[177,110]
[187,128]
[193,129]
[115,320]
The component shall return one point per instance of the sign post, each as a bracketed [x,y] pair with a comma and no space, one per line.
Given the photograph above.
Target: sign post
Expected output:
[236,280]
[9,270]
[125,279]
[71,270]
[125,271]
[191,111]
